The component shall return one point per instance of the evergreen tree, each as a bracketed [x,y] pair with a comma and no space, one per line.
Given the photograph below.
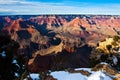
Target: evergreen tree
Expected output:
[12,65]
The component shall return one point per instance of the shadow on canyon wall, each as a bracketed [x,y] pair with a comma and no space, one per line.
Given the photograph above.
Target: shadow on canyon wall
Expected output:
[63,60]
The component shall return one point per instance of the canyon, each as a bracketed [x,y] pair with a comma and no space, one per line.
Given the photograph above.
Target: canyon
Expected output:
[59,41]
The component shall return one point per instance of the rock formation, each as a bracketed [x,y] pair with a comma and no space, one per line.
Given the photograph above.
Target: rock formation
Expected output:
[50,35]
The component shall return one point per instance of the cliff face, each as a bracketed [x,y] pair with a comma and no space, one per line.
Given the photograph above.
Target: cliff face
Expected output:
[49,35]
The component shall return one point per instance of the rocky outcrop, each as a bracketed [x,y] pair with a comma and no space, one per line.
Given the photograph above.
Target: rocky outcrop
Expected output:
[107,69]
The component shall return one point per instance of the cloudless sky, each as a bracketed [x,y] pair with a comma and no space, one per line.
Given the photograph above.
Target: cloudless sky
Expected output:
[13,7]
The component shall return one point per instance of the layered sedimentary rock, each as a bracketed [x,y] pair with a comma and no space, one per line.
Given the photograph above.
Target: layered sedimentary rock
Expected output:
[42,37]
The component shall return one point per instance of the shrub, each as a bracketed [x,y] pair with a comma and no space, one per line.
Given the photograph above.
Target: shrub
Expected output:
[116,38]
[108,47]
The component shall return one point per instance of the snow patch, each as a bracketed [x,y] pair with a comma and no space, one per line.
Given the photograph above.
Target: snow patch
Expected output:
[3,54]
[115,60]
[99,75]
[62,75]
[86,69]
[34,76]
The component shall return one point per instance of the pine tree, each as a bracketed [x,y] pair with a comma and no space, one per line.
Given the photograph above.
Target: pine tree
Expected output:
[12,65]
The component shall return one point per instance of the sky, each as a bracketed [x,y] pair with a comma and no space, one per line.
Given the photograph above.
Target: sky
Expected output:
[39,7]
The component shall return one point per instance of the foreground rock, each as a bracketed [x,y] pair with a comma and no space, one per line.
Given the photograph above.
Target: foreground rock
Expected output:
[100,72]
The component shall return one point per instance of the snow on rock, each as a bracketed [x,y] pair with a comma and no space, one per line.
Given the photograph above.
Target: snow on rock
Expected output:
[62,75]
[99,75]
[104,63]
[34,76]
[115,60]
[3,54]
[86,69]
[65,75]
